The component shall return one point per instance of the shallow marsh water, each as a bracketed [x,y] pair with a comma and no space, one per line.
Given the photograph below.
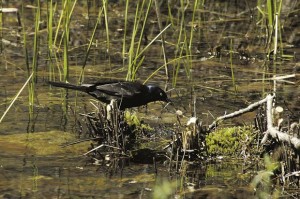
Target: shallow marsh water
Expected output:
[32,162]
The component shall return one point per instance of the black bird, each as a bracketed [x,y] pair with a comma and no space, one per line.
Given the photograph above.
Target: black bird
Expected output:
[127,94]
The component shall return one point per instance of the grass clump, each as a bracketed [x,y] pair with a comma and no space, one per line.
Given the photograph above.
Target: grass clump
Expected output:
[133,120]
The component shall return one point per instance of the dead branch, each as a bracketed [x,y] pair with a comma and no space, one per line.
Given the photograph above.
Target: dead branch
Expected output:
[251,107]
[271,130]
[276,134]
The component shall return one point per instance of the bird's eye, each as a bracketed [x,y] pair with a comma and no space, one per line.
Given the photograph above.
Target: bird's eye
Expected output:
[161,94]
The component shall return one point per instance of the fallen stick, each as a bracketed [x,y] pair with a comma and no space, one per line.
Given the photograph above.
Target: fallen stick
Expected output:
[251,107]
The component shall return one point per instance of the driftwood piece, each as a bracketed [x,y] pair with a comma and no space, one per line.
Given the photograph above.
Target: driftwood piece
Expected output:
[276,134]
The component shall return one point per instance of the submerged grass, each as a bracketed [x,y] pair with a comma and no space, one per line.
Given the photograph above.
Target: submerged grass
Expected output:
[38,143]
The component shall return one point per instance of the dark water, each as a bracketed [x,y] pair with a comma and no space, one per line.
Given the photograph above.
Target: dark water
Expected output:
[32,163]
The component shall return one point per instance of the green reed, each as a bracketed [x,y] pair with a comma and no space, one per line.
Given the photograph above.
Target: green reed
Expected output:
[58,38]
[63,28]
[270,12]
[179,47]
[125,31]
[144,49]
[195,8]
[191,41]
[36,40]
[59,24]
[164,65]
[278,35]
[25,44]
[182,45]
[31,85]
[132,45]
[104,2]
[134,49]
[70,5]
[68,11]
[170,15]
[90,44]
[231,66]
[66,42]
[54,42]
[271,15]
[50,16]
[159,21]
[1,28]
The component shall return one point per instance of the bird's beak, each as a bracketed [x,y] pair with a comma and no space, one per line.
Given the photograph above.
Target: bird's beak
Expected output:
[168,101]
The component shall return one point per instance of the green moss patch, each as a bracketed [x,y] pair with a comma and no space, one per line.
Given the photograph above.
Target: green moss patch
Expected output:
[229,141]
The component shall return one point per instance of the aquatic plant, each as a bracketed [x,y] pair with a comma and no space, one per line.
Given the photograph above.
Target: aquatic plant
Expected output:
[230,141]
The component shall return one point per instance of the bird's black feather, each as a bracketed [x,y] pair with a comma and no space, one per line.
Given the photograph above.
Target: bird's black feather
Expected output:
[127,94]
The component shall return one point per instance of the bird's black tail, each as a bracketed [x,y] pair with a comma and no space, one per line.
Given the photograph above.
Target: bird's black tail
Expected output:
[68,86]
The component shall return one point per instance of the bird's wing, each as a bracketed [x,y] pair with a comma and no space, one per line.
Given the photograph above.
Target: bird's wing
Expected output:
[121,89]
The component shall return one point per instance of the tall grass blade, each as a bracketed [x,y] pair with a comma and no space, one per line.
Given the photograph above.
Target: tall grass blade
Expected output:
[125,31]
[151,42]
[159,68]
[231,67]
[90,44]
[107,30]
[157,9]
[34,58]
[1,28]
[142,51]
[131,55]
[50,15]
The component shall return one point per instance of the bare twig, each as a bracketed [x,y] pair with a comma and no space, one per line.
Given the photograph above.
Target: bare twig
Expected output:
[251,107]
[100,146]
